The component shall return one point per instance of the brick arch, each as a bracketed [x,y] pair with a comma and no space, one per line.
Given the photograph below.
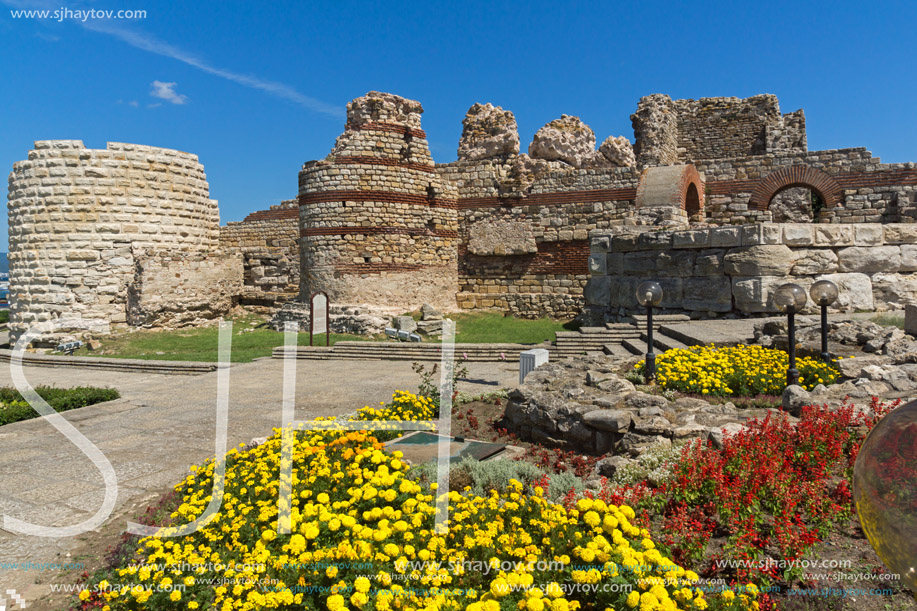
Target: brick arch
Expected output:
[667,186]
[796,176]
[688,178]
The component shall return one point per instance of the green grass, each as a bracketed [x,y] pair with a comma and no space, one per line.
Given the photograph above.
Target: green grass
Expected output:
[494,328]
[200,344]
[13,408]
[252,339]
[4,315]
[889,320]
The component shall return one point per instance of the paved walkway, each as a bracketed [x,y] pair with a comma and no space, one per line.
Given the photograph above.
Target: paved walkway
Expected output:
[161,426]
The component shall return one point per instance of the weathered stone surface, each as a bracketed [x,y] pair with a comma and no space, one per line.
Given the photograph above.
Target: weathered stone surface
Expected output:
[428,312]
[713,294]
[908,258]
[869,259]
[501,237]
[755,294]
[764,260]
[618,151]
[855,291]
[488,131]
[794,398]
[717,434]
[709,262]
[597,291]
[566,139]
[814,261]
[910,319]
[613,420]
[894,291]
[607,467]
[175,289]
[793,205]
[405,323]
[800,234]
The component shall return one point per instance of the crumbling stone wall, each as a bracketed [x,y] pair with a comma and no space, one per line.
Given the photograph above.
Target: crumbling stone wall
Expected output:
[736,269]
[176,289]
[268,241]
[686,131]
[78,218]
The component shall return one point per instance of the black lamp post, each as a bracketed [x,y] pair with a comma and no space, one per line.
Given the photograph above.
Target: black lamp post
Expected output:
[790,298]
[649,294]
[824,293]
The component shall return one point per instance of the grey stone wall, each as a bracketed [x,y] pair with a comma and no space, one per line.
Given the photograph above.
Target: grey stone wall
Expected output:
[735,270]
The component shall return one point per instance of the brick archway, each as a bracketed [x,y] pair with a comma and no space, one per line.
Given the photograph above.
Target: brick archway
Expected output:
[796,176]
[669,186]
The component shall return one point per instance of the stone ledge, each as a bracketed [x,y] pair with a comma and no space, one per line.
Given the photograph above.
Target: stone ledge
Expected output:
[139,365]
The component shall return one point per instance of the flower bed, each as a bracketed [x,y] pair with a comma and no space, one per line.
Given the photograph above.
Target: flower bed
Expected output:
[743,371]
[363,538]
[757,509]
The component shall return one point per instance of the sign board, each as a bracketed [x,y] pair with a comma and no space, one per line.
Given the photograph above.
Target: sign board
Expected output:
[318,317]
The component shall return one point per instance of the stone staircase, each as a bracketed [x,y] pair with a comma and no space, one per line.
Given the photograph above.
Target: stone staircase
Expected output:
[620,339]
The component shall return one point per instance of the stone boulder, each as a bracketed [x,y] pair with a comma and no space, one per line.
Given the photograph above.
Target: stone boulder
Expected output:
[618,151]
[794,398]
[488,131]
[566,139]
[405,323]
[428,312]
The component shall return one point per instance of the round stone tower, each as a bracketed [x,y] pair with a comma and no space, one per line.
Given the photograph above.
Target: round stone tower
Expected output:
[78,217]
[377,225]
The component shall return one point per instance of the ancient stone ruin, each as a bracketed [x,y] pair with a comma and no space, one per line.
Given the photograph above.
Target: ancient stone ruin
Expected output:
[129,234]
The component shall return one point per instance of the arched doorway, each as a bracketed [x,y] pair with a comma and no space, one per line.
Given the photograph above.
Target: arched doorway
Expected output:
[796,205]
[692,203]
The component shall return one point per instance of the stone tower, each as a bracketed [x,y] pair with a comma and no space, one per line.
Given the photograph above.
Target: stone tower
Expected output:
[377,225]
[80,221]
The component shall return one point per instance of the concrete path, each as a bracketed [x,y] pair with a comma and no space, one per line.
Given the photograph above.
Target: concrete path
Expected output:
[156,431]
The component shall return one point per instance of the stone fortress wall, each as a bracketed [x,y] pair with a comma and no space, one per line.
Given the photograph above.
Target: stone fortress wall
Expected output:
[113,233]
[81,221]
[268,242]
[736,269]
[524,220]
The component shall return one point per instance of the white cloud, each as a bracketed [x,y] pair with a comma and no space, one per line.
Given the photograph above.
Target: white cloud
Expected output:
[166,91]
[133,103]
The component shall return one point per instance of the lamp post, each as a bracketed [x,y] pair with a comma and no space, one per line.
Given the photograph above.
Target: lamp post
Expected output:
[790,298]
[824,293]
[649,294]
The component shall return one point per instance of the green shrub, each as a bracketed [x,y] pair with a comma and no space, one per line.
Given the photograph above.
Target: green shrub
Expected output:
[4,316]
[14,408]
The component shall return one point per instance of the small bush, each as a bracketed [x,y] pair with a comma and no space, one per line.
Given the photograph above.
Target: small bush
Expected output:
[13,407]
[4,316]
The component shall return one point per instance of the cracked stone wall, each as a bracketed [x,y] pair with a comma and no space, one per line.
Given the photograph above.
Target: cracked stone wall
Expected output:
[79,218]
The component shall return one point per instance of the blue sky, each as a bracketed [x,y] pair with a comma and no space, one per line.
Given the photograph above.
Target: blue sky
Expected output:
[255,89]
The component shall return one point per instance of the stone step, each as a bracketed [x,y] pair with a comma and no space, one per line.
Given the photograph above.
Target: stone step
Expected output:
[664,342]
[617,350]
[662,318]
[635,346]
